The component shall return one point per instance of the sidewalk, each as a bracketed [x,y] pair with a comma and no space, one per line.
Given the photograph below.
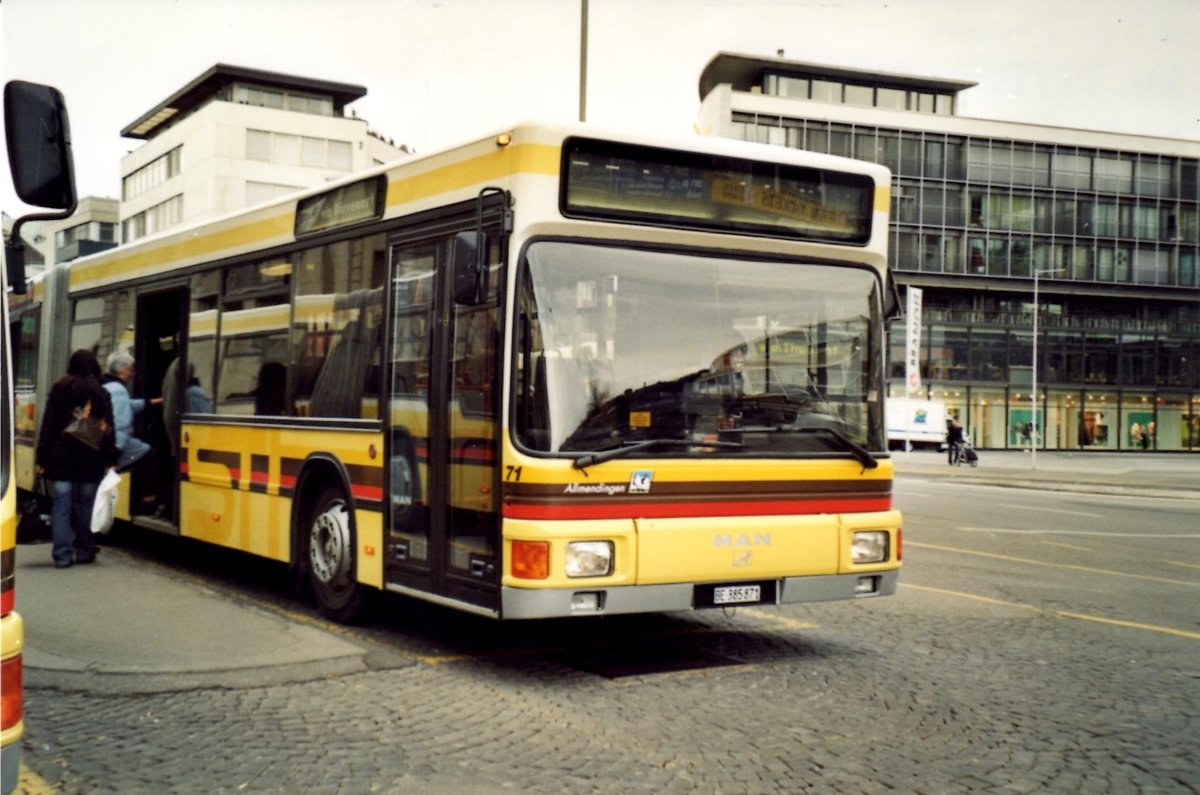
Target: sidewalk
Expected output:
[147,632]
[1139,474]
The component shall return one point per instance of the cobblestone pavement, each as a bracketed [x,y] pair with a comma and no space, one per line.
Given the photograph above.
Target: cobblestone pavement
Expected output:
[914,694]
[930,691]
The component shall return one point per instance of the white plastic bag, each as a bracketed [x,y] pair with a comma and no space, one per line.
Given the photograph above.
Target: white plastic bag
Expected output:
[106,502]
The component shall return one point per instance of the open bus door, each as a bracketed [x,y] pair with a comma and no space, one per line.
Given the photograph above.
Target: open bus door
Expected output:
[161,335]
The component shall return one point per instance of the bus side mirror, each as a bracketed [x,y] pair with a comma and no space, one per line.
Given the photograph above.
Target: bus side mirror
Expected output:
[469,261]
[39,154]
[891,301]
[39,145]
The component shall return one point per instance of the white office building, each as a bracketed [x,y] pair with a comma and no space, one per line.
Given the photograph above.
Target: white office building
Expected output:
[235,137]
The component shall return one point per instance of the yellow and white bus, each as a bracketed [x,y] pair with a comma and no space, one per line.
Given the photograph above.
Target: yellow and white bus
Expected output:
[12,630]
[546,373]
[38,137]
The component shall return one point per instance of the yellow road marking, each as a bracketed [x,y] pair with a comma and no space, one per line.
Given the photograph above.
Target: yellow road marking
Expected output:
[1067,546]
[1186,565]
[971,596]
[1183,633]
[31,783]
[910,544]
[1116,622]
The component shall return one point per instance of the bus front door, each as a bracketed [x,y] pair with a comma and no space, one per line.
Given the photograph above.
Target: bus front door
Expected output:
[443,529]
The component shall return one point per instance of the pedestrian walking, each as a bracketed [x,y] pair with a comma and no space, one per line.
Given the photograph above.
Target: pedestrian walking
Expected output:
[76,445]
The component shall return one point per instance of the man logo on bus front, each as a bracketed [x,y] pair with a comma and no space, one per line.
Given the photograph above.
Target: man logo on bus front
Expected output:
[640,482]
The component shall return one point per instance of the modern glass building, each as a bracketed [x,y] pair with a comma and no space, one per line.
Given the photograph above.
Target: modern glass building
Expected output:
[1106,224]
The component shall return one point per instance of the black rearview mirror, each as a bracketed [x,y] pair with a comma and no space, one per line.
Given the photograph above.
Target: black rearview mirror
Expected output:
[469,261]
[39,145]
[39,154]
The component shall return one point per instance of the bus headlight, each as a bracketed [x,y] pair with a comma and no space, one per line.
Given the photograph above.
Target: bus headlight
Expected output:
[589,558]
[869,547]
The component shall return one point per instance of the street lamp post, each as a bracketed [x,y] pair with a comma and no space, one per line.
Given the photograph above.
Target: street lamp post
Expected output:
[583,58]
[1037,311]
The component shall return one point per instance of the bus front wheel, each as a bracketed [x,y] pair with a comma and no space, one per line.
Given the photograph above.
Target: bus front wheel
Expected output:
[331,564]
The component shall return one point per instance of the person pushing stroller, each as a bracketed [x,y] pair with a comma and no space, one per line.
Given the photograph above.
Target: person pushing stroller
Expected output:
[958,447]
[954,440]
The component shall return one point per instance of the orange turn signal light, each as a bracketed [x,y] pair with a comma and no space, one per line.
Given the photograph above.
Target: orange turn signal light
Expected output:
[13,702]
[531,560]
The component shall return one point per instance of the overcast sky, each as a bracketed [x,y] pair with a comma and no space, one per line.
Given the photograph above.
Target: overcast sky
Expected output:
[441,71]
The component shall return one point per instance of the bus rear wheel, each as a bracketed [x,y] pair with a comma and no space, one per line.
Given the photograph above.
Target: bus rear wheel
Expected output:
[331,564]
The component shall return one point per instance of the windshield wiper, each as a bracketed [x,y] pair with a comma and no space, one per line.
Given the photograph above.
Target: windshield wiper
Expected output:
[591,459]
[854,448]
[860,453]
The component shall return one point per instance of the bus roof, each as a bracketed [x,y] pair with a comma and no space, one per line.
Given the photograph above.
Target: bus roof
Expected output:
[415,183]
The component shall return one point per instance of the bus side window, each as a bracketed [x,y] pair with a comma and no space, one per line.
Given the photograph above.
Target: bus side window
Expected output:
[337,328]
[270,391]
[253,377]
[253,343]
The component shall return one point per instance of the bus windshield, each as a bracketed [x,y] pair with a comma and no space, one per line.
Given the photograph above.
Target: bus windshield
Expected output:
[668,353]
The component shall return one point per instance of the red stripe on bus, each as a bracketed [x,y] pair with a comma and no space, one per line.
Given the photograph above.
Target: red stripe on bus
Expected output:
[473,453]
[667,510]
[7,601]
[366,492]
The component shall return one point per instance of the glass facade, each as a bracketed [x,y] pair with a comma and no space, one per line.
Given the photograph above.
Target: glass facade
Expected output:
[1114,237]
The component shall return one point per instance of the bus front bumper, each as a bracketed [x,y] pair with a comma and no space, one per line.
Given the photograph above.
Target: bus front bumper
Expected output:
[523,603]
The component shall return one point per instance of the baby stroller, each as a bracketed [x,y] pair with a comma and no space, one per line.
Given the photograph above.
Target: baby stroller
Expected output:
[966,454]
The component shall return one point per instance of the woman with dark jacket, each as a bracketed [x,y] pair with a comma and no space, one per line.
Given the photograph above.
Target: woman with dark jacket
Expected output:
[74,467]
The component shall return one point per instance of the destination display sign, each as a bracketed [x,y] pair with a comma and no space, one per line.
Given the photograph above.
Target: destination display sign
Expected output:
[615,181]
[349,204]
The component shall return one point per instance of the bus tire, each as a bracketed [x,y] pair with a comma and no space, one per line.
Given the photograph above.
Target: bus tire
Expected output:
[332,568]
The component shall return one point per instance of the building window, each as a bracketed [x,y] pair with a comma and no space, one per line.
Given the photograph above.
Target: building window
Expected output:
[1030,168]
[1153,177]
[826,91]
[278,99]
[786,86]
[1072,171]
[258,145]
[887,98]
[151,175]
[295,150]
[1146,222]
[285,149]
[859,95]
[891,99]
[1113,175]
[152,220]
[1189,179]
[1151,266]
[1187,270]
